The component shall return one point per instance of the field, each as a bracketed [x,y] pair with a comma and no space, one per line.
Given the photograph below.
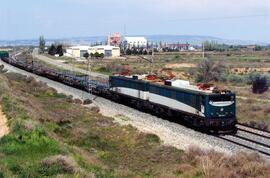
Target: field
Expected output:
[250,107]
[47,141]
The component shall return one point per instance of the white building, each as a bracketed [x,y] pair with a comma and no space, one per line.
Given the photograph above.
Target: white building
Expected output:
[130,42]
[79,51]
[108,51]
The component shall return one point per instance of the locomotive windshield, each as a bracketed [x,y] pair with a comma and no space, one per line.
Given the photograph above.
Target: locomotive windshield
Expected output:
[219,98]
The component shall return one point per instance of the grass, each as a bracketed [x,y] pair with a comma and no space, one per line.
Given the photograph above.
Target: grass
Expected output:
[53,136]
[22,151]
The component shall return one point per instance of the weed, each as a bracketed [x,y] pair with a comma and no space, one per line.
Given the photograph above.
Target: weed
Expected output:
[152,139]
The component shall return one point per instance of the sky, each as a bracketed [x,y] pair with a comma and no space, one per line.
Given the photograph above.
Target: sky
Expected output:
[228,19]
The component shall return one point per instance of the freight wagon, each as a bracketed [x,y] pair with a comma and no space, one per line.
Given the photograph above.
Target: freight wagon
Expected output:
[4,54]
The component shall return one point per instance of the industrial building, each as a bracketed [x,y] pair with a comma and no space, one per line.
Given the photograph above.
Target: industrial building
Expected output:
[137,42]
[79,51]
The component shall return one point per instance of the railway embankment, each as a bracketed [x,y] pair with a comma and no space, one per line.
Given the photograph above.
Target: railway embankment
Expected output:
[171,134]
[53,135]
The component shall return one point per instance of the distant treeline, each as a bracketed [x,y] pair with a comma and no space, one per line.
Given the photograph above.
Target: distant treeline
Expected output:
[215,46]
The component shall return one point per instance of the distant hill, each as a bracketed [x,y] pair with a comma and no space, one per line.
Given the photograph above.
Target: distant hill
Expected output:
[191,39]
[198,40]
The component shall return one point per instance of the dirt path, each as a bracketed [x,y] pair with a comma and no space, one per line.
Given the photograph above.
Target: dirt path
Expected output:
[4,130]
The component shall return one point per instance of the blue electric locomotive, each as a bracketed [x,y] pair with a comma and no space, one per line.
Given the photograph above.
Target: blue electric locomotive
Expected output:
[209,109]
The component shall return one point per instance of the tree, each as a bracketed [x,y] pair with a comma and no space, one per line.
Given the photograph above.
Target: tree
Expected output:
[101,55]
[52,50]
[258,48]
[144,52]
[59,50]
[208,71]
[42,44]
[92,55]
[86,55]
[128,52]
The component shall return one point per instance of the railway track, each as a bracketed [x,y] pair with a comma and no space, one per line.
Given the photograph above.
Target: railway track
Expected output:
[250,138]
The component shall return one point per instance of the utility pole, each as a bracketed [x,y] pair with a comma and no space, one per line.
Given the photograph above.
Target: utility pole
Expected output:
[203,50]
[88,69]
[152,60]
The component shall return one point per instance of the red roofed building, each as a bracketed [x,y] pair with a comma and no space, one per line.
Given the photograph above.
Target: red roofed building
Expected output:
[114,39]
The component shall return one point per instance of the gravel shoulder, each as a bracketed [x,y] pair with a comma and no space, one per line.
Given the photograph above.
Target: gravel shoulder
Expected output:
[171,134]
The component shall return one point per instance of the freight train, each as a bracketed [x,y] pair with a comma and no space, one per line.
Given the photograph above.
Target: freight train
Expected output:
[202,107]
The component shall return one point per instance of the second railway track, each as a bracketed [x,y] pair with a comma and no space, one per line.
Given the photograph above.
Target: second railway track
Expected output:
[250,138]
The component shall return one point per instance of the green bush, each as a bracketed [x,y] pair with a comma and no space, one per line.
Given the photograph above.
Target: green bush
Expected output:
[35,142]
[103,70]
[92,140]
[23,150]
[152,139]
[256,75]
[51,170]
[237,79]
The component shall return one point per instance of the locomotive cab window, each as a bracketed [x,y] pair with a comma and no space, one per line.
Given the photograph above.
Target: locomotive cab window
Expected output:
[221,98]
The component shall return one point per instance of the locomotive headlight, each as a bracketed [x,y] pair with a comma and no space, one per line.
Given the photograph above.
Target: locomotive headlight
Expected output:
[222,109]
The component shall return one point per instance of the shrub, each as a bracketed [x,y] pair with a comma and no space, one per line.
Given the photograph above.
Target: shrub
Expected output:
[151,138]
[87,102]
[232,78]
[223,77]
[208,71]
[23,149]
[255,75]
[95,109]
[93,140]
[102,70]
[260,82]
[176,56]
[57,165]
[77,101]
[35,142]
